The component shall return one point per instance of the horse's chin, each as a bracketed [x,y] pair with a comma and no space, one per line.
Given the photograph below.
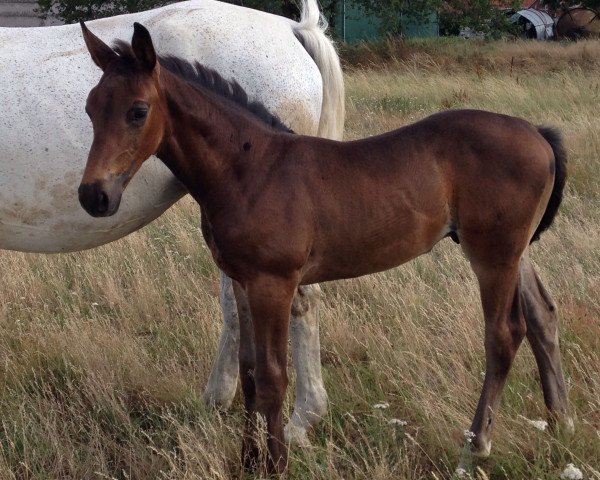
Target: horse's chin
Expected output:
[100,200]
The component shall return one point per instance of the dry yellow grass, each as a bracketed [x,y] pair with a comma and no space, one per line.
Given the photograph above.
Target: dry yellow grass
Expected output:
[105,353]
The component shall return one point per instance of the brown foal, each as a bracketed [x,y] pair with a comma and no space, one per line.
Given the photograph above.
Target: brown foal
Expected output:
[280,210]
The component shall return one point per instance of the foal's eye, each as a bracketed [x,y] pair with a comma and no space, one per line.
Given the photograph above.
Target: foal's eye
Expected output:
[138,113]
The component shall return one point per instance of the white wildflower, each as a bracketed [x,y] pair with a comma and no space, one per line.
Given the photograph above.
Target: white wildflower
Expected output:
[95,304]
[460,472]
[398,422]
[469,435]
[571,473]
[381,406]
[539,424]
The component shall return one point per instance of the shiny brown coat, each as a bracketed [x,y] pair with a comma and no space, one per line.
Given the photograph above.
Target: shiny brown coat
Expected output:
[280,210]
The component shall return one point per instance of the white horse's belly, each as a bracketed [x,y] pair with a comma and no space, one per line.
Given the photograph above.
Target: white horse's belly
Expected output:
[46,74]
[44,144]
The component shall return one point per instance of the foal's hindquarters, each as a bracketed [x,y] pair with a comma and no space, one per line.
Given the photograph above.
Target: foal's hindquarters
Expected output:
[514,300]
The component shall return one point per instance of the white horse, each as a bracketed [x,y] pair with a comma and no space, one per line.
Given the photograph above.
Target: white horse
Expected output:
[45,75]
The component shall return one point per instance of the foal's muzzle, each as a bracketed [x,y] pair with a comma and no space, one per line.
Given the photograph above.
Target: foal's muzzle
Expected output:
[98,200]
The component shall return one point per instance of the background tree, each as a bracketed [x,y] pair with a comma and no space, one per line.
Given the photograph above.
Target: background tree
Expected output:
[480,15]
[391,11]
[70,11]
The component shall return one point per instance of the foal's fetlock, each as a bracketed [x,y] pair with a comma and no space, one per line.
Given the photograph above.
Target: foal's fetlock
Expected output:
[277,469]
[250,456]
[253,446]
[250,452]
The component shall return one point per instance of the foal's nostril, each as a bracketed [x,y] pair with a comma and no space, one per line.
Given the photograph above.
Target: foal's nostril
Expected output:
[94,199]
[102,205]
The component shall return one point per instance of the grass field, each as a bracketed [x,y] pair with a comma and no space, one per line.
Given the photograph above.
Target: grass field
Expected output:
[104,354]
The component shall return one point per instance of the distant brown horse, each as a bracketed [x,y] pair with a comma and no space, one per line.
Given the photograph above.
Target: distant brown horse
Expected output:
[280,210]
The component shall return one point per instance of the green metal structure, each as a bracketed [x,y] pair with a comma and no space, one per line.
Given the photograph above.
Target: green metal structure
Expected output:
[352,24]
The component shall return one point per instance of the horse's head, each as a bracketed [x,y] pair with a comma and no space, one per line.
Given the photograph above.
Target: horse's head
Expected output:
[128,113]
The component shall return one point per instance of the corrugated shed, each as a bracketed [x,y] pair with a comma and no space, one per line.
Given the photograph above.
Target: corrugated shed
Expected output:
[536,24]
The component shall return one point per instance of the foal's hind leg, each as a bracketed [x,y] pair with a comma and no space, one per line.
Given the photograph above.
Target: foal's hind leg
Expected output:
[222,381]
[504,331]
[540,316]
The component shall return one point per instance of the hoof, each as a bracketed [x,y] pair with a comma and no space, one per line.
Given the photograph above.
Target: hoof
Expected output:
[218,398]
[483,450]
[295,435]
[471,451]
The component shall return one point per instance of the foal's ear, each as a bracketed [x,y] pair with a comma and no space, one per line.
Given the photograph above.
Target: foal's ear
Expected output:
[141,43]
[101,53]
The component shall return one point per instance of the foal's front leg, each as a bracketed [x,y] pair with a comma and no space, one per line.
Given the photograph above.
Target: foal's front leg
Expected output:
[269,300]
[247,364]
[311,396]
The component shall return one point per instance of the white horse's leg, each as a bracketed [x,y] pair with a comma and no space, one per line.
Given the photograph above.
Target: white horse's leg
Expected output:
[311,397]
[222,381]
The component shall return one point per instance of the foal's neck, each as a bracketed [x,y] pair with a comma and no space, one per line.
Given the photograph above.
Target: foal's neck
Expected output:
[211,142]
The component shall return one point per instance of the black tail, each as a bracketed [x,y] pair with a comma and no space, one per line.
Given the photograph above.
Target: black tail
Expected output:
[554,138]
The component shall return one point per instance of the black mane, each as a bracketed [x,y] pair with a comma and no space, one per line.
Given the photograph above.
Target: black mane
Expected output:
[205,77]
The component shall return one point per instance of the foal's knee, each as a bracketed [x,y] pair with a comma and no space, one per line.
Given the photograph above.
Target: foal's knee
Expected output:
[271,386]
